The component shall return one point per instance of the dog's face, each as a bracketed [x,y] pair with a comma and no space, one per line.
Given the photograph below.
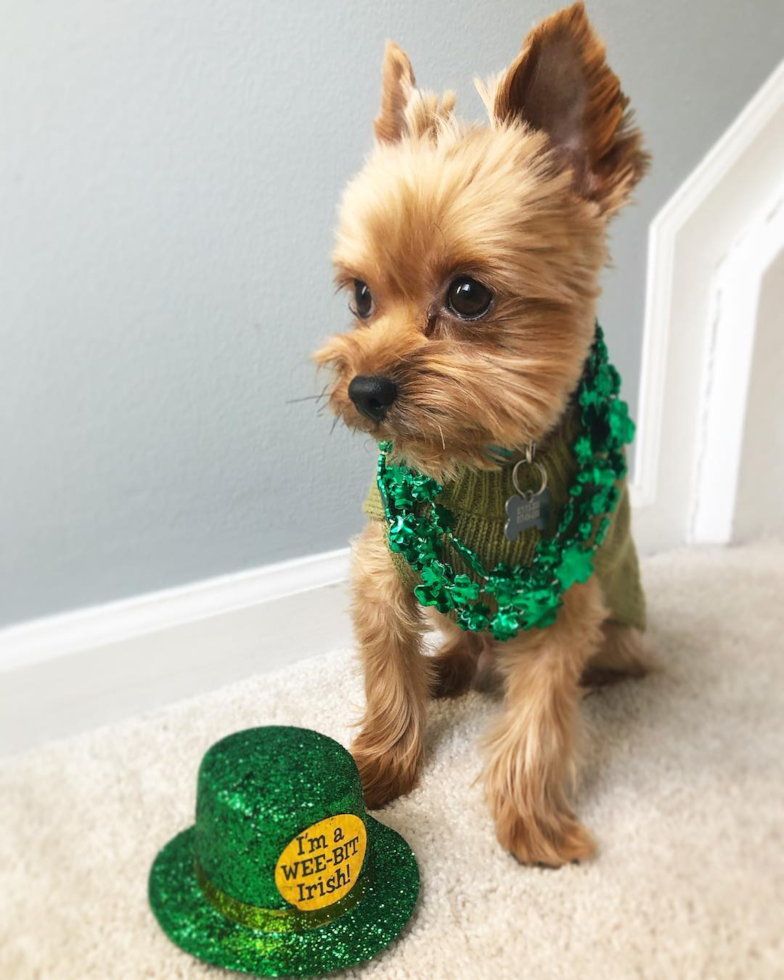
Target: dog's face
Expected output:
[471,255]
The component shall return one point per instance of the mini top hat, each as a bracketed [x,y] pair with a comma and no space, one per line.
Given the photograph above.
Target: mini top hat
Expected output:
[283,874]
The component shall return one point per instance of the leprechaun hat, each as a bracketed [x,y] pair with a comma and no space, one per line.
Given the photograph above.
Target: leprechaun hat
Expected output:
[284,873]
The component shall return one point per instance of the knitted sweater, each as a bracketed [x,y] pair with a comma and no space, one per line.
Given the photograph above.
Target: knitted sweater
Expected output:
[477,500]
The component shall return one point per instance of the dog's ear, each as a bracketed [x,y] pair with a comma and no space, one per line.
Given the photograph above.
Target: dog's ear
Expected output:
[397,86]
[561,84]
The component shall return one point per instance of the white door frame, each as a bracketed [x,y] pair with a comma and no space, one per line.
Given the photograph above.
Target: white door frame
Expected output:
[728,362]
[689,240]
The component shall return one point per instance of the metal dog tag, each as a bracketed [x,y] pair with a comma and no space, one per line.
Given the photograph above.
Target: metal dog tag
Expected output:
[526,511]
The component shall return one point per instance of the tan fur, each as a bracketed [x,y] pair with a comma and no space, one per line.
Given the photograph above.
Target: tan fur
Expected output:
[624,652]
[563,61]
[397,86]
[388,627]
[531,748]
[522,206]
[455,664]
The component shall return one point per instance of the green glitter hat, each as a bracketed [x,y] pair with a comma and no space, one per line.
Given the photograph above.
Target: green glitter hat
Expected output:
[283,874]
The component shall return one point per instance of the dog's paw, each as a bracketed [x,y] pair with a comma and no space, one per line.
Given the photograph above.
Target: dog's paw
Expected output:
[384,775]
[551,841]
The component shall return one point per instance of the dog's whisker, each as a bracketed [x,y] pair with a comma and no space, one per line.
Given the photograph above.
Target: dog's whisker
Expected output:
[304,398]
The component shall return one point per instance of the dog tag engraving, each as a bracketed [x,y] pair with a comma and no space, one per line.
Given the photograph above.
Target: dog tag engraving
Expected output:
[525,512]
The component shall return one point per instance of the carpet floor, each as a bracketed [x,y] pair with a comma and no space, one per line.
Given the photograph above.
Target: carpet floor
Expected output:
[682,785]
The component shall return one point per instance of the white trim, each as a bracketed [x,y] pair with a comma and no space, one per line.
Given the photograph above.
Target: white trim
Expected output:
[728,359]
[653,357]
[115,622]
[688,239]
[96,666]
[662,238]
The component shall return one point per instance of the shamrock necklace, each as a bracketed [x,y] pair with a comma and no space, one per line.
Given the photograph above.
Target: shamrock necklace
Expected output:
[418,527]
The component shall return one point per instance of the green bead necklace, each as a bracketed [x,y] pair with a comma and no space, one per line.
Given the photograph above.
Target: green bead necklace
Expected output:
[525,596]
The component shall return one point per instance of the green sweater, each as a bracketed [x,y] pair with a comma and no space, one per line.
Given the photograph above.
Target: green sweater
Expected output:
[478,498]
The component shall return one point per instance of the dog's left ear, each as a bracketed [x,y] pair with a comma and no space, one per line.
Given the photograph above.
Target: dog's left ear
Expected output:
[561,84]
[397,87]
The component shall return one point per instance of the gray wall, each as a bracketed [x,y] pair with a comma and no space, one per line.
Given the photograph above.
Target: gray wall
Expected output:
[168,178]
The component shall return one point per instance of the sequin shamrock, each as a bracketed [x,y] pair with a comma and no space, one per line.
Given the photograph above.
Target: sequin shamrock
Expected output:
[475,618]
[539,607]
[505,625]
[403,533]
[621,426]
[576,566]
[503,585]
[464,589]
[433,590]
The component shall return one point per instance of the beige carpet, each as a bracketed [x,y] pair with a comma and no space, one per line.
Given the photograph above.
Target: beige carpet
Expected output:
[683,787]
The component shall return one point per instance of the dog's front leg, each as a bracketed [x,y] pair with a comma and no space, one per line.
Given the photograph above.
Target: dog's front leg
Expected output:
[388,628]
[531,766]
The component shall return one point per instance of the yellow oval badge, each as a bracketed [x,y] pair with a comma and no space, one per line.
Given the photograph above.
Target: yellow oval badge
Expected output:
[321,865]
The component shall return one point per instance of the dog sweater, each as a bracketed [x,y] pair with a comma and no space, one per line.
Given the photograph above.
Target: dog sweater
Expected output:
[477,500]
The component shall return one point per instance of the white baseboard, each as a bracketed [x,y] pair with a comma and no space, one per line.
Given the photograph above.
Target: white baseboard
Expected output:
[69,673]
[115,622]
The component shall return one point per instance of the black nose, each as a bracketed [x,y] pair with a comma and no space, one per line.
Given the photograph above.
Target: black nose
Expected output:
[372,395]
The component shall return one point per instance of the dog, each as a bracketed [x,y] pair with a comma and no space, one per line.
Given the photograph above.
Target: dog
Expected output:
[471,256]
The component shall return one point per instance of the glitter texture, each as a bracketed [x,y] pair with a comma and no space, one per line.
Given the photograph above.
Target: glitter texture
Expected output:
[503,599]
[257,790]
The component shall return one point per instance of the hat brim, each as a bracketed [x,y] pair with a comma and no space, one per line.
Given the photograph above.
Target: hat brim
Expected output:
[191,922]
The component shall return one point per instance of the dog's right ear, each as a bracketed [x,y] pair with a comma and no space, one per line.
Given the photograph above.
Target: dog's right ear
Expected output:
[561,84]
[397,87]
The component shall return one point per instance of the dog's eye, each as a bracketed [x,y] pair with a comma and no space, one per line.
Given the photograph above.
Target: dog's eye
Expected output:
[363,301]
[468,298]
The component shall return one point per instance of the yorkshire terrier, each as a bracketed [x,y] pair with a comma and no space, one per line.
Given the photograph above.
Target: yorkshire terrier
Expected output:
[472,256]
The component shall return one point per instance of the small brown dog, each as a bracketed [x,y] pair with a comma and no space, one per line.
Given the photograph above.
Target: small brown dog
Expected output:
[472,256]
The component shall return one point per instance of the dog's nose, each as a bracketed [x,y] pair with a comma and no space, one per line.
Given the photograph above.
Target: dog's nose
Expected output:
[372,395]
